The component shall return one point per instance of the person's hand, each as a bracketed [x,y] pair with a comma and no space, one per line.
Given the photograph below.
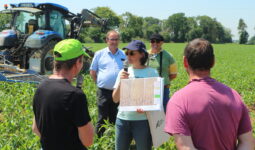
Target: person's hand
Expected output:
[139,110]
[124,75]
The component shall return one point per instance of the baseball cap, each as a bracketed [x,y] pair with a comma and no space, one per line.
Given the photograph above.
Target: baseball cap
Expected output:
[157,36]
[68,49]
[136,45]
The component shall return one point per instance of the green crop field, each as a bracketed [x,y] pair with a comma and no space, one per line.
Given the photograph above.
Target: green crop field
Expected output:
[235,66]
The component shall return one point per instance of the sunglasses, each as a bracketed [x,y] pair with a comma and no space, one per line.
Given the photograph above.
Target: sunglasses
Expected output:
[113,39]
[155,41]
[130,53]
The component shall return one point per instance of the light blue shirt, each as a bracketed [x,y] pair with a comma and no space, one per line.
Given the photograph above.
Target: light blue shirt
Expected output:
[135,73]
[107,66]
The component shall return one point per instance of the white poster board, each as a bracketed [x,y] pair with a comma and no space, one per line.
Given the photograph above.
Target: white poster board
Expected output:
[157,123]
[141,93]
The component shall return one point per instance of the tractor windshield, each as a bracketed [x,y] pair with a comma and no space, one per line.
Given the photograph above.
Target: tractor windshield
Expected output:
[57,22]
[23,19]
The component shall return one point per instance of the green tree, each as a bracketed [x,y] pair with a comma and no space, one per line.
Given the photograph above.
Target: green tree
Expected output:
[252,41]
[127,34]
[194,33]
[178,25]
[131,27]
[192,22]
[148,31]
[166,35]
[113,21]
[151,25]
[223,34]
[209,28]
[227,36]
[243,38]
[165,31]
[243,34]
[4,19]
[95,33]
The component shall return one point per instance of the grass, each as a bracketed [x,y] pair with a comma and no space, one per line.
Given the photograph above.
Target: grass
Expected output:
[234,67]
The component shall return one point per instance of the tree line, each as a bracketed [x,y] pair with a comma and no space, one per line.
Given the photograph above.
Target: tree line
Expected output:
[176,28]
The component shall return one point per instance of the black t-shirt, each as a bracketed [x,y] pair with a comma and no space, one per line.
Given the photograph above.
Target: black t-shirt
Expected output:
[59,109]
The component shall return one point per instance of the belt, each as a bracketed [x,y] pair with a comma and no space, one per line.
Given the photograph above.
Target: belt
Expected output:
[103,89]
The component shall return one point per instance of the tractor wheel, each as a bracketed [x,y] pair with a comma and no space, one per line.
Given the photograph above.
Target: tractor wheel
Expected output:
[42,59]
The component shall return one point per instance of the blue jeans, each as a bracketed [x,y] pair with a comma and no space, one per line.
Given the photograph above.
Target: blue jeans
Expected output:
[166,98]
[126,130]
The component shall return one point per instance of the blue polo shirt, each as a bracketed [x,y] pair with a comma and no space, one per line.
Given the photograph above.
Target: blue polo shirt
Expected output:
[107,66]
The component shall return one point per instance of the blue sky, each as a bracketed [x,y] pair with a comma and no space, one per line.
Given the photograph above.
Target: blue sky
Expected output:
[228,12]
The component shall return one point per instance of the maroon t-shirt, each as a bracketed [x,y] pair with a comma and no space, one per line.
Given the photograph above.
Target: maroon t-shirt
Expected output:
[210,112]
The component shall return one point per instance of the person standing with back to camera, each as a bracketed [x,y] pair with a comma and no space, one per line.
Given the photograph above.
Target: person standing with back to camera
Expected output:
[62,119]
[164,62]
[133,124]
[104,69]
[206,114]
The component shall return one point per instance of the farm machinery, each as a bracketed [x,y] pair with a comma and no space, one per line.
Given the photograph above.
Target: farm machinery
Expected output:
[26,46]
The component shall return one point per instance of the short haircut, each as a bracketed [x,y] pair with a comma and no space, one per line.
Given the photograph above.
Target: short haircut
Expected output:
[68,64]
[144,59]
[112,31]
[199,53]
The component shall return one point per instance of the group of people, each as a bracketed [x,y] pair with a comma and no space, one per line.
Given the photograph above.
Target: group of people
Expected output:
[205,114]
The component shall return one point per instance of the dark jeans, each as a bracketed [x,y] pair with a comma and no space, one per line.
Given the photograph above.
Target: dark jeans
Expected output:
[126,130]
[107,109]
[166,97]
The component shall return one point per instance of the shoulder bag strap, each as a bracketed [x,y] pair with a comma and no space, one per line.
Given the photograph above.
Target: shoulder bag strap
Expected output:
[160,65]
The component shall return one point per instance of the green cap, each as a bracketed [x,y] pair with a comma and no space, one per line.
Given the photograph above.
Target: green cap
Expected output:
[68,49]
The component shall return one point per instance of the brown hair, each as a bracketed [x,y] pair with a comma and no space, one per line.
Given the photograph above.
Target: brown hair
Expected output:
[68,64]
[199,53]
[144,59]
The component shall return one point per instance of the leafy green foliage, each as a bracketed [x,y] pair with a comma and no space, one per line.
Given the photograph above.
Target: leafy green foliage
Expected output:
[243,38]
[16,120]
[177,28]
[252,41]
[4,19]
[105,12]
[150,26]
[95,34]
[107,141]
[234,67]
[131,27]
[178,25]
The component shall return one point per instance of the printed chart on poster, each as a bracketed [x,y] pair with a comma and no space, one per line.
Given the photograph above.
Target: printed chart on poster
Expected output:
[141,93]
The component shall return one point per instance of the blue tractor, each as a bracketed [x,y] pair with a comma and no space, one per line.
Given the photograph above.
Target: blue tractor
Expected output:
[34,30]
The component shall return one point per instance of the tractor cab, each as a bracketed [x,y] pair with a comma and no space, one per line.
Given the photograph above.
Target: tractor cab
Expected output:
[29,17]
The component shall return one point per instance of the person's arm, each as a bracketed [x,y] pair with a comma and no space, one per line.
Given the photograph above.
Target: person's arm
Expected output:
[86,134]
[35,129]
[94,66]
[246,141]
[184,142]
[116,94]
[116,91]
[93,74]
[172,69]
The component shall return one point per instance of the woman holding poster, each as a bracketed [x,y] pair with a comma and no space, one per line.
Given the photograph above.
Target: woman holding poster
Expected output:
[133,124]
